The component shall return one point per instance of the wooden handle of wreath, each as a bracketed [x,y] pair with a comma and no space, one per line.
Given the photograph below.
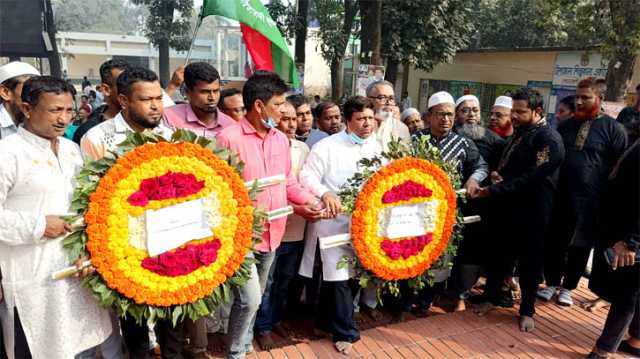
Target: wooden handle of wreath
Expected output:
[69,271]
[267,181]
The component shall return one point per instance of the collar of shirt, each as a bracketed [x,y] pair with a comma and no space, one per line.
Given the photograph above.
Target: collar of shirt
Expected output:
[121,126]
[248,129]
[34,139]
[433,138]
[5,118]
[222,120]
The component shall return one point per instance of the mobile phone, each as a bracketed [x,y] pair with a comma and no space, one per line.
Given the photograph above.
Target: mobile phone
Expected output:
[609,254]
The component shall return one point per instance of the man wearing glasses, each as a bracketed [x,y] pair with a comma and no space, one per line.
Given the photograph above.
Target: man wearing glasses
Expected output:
[469,124]
[390,127]
[500,121]
[455,149]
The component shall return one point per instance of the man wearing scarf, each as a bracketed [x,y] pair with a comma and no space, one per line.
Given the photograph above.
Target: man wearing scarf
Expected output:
[593,143]
[522,191]
[500,120]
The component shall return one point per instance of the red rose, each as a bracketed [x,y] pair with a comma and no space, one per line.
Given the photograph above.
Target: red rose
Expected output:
[152,264]
[167,259]
[180,180]
[208,255]
[166,179]
[150,187]
[165,193]
[138,199]
[216,244]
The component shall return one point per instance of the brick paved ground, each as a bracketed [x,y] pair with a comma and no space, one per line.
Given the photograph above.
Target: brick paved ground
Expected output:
[560,333]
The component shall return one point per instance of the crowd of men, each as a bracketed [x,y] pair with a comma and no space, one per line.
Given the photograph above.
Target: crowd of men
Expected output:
[547,197]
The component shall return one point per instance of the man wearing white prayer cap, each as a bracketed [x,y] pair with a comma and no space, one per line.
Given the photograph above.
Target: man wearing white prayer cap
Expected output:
[456,149]
[470,257]
[412,118]
[12,77]
[500,121]
[468,110]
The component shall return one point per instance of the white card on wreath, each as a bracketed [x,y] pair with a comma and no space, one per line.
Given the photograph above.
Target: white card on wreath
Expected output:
[173,226]
[404,221]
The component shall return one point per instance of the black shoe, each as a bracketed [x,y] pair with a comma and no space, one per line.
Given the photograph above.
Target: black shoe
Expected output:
[626,348]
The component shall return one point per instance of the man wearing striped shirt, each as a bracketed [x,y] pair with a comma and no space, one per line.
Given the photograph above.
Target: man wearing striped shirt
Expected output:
[472,168]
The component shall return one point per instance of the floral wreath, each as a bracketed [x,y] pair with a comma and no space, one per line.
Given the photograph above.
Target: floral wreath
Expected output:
[147,172]
[415,178]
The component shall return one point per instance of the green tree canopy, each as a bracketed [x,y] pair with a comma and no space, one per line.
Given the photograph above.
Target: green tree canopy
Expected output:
[425,34]
[168,26]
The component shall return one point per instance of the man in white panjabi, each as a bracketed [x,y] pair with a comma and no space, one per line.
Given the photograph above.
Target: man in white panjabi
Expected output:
[42,317]
[331,162]
[12,77]
[389,125]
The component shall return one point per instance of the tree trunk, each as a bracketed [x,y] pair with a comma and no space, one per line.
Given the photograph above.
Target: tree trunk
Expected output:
[376,38]
[163,45]
[624,16]
[301,30]
[337,78]
[405,76]
[337,68]
[370,31]
[163,52]
[618,78]
[392,71]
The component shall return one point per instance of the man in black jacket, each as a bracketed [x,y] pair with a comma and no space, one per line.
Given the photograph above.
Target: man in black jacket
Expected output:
[619,282]
[522,190]
[593,142]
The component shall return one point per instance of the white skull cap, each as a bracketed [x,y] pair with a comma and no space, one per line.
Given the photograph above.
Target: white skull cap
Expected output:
[16,68]
[440,98]
[468,98]
[504,101]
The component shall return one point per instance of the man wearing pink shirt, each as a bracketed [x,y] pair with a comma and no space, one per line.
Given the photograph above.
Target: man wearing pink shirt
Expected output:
[201,114]
[265,152]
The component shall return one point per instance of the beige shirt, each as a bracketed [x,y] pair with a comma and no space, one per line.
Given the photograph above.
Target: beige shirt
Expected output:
[390,129]
[109,134]
[296,224]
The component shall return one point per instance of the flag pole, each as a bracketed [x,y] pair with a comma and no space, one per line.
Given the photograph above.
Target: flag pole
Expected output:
[193,39]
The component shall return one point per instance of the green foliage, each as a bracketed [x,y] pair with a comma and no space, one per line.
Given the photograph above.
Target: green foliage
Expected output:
[425,33]
[163,25]
[615,24]
[106,16]
[336,19]
[538,23]
[285,18]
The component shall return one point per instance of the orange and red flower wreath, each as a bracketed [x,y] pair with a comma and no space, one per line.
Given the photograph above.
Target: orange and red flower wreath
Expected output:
[404,181]
[154,176]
